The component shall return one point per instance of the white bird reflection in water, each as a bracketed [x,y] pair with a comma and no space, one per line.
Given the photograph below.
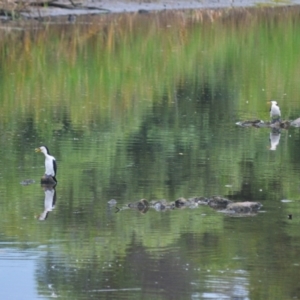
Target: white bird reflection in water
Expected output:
[274,138]
[49,201]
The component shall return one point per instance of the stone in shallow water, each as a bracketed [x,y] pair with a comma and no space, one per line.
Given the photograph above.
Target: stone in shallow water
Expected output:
[47,179]
[27,181]
[141,205]
[243,207]
[218,202]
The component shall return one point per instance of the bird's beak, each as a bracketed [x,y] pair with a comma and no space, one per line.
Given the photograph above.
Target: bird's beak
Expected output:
[269,102]
[37,150]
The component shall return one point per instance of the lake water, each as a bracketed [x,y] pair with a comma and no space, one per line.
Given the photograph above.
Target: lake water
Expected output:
[145,106]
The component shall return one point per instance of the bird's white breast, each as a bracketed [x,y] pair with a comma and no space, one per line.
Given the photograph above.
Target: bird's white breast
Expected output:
[49,165]
[275,111]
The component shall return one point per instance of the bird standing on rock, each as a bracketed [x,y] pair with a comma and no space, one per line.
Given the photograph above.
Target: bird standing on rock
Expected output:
[275,113]
[50,164]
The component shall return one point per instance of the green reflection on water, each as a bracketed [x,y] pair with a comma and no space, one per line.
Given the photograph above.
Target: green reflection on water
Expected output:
[145,107]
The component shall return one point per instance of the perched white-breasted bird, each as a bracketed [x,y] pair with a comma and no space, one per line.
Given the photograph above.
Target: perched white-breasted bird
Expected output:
[275,113]
[50,162]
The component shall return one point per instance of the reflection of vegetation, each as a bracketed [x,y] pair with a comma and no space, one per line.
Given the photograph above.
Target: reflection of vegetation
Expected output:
[144,106]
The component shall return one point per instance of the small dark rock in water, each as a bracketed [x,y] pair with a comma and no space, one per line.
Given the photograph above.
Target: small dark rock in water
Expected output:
[47,179]
[218,202]
[180,202]
[112,202]
[141,204]
[190,203]
[162,205]
[249,123]
[159,206]
[280,124]
[27,182]
[243,207]
[261,124]
[199,200]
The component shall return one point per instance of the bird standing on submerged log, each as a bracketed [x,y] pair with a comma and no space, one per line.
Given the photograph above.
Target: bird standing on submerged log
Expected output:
[50,164]
[275,113]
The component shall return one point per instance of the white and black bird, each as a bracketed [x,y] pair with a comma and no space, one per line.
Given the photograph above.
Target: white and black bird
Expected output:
[50,163]
[275,112]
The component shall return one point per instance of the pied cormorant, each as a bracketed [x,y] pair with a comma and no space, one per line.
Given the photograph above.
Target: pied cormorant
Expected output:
[275,113]
[50,162]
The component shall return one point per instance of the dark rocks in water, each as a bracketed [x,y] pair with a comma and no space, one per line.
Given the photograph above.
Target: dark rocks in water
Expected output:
[180,202]
[274,124]
[161,205]
[199,200]
[27,182]
[243,207]
[215,202]
[280,124]
[253,123]
[47,179]
[218,202]
[141,205]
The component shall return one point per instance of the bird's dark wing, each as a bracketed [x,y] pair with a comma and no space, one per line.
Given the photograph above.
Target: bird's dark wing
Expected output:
[54,167]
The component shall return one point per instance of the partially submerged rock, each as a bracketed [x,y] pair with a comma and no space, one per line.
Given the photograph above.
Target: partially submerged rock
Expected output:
[27,182]
[218,202]
[47,179]
[161,205]
[191,202]
[199,200]
[141,205]
[243,207]
[285,124]
[215,202]
[180,202]
[252,123]
[280,124]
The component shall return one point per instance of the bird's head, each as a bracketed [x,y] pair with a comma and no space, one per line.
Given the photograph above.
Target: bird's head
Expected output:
[42,149]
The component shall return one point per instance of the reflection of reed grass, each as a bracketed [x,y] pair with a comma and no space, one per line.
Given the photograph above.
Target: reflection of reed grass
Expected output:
[109,61]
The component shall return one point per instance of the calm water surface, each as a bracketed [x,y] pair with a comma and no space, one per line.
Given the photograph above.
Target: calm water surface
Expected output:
[139,107]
